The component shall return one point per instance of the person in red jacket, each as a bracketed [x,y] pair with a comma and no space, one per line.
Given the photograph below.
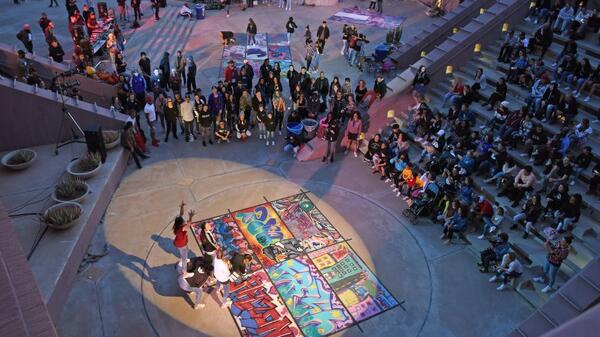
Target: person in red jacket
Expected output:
[180,229]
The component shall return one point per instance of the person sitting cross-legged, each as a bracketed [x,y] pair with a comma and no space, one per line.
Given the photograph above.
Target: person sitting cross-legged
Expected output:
[510,269]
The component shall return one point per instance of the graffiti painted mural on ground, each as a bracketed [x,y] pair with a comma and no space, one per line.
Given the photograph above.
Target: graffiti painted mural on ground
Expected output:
[268,237]
[229,237]
[258,309]
[357,287]
[306,222]
[309,298]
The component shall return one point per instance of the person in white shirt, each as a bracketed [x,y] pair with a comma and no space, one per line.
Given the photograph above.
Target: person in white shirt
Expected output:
[222,273]
[509,269]
[150,112]
[187,115]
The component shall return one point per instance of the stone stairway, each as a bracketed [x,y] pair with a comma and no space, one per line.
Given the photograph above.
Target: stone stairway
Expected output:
[578,295]
[586,245]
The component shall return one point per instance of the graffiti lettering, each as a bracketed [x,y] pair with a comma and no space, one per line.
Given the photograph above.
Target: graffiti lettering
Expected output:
[257,308]
[308,297]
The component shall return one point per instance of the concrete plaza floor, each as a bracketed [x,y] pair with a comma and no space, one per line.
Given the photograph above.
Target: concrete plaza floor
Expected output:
[133,291]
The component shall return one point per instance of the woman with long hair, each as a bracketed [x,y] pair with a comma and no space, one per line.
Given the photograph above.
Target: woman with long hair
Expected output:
[180,229]
[353,130]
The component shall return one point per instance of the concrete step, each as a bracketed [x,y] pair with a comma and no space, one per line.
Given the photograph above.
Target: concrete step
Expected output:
[588,44]
[484,117]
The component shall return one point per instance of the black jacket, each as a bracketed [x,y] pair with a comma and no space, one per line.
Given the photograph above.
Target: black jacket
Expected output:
[322,31]
[251,28]
[290,26]
[332,132]
[145,66]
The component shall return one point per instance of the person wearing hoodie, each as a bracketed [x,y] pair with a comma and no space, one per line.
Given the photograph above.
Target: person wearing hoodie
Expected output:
[191,74]
[165,68]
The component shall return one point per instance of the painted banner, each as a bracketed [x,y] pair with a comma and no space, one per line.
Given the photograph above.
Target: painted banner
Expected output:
[259,311]
[357,287]
[359,16]
[268,237]
[229,238]
[279,53]
[306,222]
[308,297]
[278,39]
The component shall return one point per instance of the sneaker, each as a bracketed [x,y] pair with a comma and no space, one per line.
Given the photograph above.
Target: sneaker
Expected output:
[522,154]
[355,155]
[547,289]
[572,182]
[387,180]
[398,195]
[481,237]
[538,279]
[501,287]
[203,143]
[272,143]
[199,306]
[544,120]
[493,278]
[395,190]
[267,143]
[587,99]
[575,93]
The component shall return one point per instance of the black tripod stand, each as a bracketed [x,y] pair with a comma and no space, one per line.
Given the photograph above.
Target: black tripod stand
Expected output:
[66,116]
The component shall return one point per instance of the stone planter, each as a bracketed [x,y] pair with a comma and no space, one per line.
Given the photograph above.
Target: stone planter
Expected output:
[77,200]
[63,204]
[18,167]
[82,175]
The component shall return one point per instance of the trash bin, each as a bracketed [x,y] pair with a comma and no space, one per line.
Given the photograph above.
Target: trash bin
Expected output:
[200,11]
[310,128]
[295,128]
[381,52]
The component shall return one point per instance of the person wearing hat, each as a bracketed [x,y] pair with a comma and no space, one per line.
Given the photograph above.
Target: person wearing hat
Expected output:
[290,27]
[25,37]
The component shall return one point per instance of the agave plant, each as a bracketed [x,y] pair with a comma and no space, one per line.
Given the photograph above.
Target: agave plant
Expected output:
[61,216]
[87,163]
[70,188]
[21,157]
[397,35]
[110,136]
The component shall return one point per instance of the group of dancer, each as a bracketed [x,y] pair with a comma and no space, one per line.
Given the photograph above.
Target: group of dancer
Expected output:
[212,269]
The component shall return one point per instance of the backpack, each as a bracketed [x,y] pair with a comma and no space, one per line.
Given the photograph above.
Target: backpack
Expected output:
[352,42]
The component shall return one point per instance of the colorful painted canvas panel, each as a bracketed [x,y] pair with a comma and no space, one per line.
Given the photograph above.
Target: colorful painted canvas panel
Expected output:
[361,16]
[259,311]
[308,297]
[268,237]
[278,39]
[279,52]
[256,52]
[261,39]
[229,237]
[306,222]
[233,52]
[357,287]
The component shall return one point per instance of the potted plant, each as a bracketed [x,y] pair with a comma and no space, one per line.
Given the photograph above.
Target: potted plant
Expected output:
[85,167]
[63,215]
[19,159]
[389,37]
[397,35]
[70,189]
[111,138]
